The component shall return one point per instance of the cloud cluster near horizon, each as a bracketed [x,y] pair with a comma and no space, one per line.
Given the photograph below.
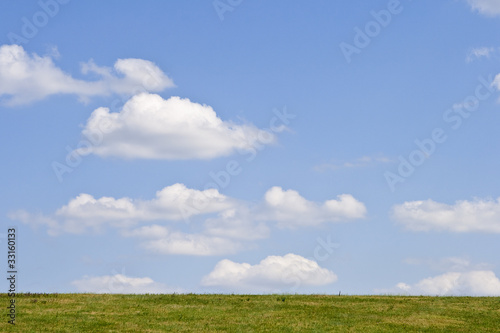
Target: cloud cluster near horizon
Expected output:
[121,284]
[272,274]
[226,221]
[470,283]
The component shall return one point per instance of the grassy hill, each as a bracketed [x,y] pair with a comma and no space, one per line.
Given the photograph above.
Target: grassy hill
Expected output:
[250,313]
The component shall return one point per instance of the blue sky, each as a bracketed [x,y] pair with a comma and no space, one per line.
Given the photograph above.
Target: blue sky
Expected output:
[252,147]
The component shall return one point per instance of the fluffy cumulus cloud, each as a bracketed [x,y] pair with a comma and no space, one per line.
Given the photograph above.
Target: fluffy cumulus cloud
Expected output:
[273,274]
[290,209]
[151,127]
[463,216]
[86,213]
[485,7]
[121,284]
[471,283]
[25,78]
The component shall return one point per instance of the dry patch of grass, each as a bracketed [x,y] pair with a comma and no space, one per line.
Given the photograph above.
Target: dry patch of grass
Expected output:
[425,321]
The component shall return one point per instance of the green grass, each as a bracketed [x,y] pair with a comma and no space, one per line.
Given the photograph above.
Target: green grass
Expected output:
[250,313]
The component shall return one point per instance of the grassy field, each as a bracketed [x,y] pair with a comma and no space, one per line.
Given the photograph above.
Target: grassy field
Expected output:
[250,313]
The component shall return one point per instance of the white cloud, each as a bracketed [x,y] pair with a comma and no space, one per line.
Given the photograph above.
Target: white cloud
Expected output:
[480,52]
[496,82]
[270,275]
[121,284]
[290,209]
[234,218]
[286,208]
[161,240]
[471,283]
[151,127]
[26,78]
[485,7]
[35,220]
[463,216]
[85,213]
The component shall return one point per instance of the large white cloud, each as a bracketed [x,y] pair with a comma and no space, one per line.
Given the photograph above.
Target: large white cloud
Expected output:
[26,78]
[121,284]
[486,7]
[151,127]
[290,209]
[271,275]
[464,216]
[471,283]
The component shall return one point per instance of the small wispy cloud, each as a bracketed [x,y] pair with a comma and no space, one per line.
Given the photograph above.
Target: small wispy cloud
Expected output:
[448,264]
[161,240]
[482,52]
[362,162]
[485,7]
